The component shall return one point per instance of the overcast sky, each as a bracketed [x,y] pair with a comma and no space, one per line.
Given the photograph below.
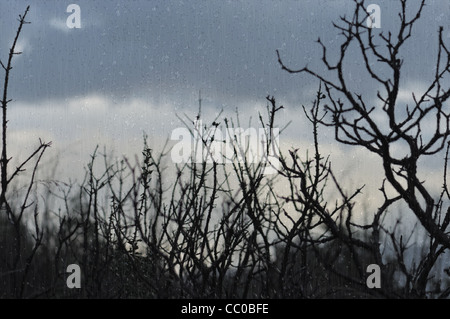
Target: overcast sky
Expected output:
[168,50]
[134,65]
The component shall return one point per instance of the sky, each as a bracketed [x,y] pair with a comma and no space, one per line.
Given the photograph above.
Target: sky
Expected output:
[134,66]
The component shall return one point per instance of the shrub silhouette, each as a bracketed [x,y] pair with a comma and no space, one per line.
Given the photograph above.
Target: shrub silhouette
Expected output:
[213,230]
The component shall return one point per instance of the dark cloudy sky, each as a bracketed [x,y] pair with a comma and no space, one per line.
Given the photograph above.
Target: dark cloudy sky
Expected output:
[134,64]
[168,50]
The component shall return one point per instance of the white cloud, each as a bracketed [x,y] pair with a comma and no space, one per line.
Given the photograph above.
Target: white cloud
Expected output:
[59,24]
[77,125]
[23,45]
[406,91]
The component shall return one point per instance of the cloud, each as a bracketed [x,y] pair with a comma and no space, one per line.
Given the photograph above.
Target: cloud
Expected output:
[59,24]
[23,45]
[80,124]
[405,94]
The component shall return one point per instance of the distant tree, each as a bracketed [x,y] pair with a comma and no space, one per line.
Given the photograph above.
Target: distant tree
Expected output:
[15,247]
[423,127]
